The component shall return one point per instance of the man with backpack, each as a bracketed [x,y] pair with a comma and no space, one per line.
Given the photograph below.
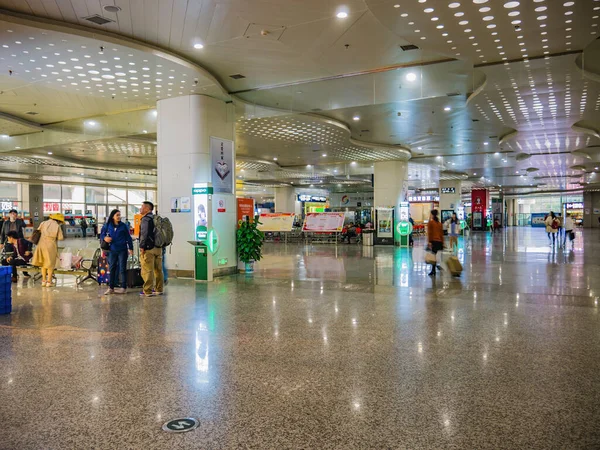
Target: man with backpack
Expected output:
[150,253]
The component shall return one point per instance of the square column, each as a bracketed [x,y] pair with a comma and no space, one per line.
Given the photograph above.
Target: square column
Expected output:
[185,158]
[391,185]
[450,191]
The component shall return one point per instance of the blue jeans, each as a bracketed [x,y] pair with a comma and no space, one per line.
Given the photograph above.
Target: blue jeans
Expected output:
[164,264]
[117,265]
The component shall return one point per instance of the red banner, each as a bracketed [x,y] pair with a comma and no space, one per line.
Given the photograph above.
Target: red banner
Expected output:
[479,200]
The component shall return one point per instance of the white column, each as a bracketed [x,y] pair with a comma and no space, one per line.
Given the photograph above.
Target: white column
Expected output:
[285,199]
[185,126]
[450,200]
[510,212]
[391,184]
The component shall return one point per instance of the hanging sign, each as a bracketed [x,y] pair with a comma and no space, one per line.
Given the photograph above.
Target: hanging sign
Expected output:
[221,151]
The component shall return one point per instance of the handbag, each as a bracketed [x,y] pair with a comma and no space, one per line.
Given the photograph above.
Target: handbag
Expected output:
[430,258]
[103,244]
[35,237]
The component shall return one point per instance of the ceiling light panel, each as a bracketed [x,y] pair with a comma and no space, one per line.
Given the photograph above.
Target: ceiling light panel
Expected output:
[484,22]
[92,67]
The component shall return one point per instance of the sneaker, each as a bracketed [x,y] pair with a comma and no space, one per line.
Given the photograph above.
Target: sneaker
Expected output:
[143,294]
[158,293]
[121,291]
[26,275]
[109,291]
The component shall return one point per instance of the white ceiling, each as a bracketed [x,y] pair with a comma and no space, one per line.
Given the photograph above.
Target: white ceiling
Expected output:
[295,60]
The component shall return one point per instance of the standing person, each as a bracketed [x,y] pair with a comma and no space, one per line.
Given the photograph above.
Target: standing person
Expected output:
[21,253]
[150,256]
[560,229]
[569,231]
[411,241]
[12,224]
[47,249]
[117,235]
[453,228]
[83,223]
[551,227]
[435,236]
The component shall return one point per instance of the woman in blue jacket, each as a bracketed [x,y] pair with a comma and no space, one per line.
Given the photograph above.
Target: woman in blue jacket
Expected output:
[116,233]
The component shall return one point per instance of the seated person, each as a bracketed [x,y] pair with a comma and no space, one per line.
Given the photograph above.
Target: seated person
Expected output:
[21,254]
[349,232]
[496,226]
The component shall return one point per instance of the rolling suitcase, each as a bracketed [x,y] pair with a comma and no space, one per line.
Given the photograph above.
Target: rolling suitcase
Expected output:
[134,278]
[103,272]
[134,272]
[454,266]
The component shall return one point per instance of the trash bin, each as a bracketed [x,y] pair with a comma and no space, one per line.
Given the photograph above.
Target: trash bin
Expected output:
[201,257]
[367,238]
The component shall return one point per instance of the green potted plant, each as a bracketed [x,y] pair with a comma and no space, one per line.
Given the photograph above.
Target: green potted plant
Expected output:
[249,242]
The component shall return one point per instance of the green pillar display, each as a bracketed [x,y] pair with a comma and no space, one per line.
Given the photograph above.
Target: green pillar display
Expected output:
[403,230]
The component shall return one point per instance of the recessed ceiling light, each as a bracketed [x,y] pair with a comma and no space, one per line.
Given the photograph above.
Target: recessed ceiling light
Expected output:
[274,159]
[324,155]
[411,76]
[49,153]
[454,5]
[198,46]
[447,108]
[509,5]
[485,143]
[342,15]
[396,6]
[356,118]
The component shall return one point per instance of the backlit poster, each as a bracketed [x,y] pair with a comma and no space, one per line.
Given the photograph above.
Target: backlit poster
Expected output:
[222,169]
[385,225]
[202,204]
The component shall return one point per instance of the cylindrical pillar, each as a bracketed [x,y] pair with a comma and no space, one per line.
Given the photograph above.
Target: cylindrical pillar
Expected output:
[285,199]
[195,134]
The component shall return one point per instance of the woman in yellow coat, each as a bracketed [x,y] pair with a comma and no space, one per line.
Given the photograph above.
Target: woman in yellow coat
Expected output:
[46,250]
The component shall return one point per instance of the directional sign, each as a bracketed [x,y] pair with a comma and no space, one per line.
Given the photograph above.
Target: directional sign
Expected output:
[180,425]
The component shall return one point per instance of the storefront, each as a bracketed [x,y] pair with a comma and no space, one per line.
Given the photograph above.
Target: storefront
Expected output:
[575,210]
[421,205]
[358,207]
[313,203]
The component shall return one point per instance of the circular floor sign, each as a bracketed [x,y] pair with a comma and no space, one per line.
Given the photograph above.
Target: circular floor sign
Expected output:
[181,425]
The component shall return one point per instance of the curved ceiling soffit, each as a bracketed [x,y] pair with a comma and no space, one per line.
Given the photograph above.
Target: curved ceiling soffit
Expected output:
[113,38]
[19,121]
[592,152]
[588,61]
[249,159]
[78,30]
[85,164]
[404,153]
[477,89]
[585,128]
[507,136]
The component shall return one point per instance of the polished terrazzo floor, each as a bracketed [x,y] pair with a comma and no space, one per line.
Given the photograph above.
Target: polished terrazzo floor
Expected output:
[323,347]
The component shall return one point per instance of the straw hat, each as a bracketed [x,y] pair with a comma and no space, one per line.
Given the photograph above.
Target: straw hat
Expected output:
[58,216]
